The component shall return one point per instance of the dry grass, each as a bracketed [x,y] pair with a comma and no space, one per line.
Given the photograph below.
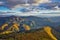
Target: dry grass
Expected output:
[32,35]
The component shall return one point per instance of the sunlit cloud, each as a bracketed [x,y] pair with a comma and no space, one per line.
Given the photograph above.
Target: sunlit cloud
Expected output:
[42,1]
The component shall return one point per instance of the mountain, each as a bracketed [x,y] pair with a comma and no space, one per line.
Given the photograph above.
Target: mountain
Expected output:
[33,25]
[32,21]
[43,33]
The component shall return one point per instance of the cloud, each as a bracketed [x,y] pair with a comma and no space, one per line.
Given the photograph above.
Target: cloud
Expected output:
[55,0]
[42,1]
[17,3]
[1,3]
[57,8]
[35,2]
[12,3]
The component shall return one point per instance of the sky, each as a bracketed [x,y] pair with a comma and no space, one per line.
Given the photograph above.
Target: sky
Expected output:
[10,4]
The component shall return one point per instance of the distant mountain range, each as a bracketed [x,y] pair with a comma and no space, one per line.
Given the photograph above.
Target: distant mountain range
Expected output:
[38,22]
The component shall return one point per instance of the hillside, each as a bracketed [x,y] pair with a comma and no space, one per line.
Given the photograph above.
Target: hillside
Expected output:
[39,34]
